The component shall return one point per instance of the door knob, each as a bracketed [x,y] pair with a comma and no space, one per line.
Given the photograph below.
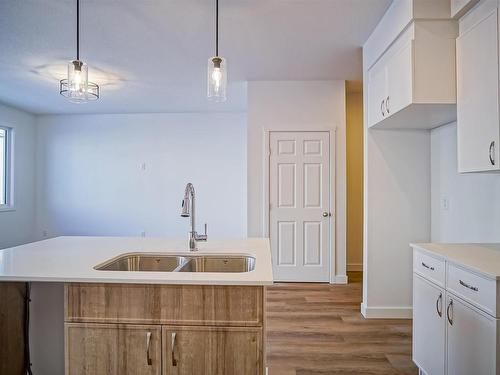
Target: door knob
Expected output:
[326,214]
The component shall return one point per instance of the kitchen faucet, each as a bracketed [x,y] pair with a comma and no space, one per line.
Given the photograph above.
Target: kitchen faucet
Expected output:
[187,210]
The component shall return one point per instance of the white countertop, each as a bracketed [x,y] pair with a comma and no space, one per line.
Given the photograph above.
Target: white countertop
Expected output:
[72,259]
[482,258]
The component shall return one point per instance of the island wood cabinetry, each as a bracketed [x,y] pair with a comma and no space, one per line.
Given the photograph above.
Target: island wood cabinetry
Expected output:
[12,326]
[455,316]
[163,329]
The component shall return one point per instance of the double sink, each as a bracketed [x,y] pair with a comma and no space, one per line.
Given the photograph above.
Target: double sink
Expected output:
[149,262]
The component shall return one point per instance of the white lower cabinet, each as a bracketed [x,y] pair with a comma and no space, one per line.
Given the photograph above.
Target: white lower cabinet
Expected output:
[429,326]
[471,336]
[450,335]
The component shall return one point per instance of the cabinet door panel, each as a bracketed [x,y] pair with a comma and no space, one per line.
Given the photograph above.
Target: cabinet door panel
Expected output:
[471,345]
[377,92]
[112,349]
[429,326]
[212,350]
[477,97]
[399,79]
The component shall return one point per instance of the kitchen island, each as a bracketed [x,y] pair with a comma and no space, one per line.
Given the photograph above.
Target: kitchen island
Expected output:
[150,322]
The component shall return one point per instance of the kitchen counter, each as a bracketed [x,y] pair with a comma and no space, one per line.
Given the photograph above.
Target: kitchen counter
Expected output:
[72,259]
[482,258]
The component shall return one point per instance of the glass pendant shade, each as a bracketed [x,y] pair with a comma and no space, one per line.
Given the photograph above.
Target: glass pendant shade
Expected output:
[77,88]
[217,79]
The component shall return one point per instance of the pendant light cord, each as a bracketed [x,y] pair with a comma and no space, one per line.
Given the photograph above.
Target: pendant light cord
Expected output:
[216,27]
[78,29]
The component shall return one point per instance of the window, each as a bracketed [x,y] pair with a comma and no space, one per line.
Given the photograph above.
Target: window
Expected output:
[5,167]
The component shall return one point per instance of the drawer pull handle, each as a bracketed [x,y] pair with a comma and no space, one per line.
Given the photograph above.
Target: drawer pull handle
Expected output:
[427,266]
[474,288]
[448,310]
[439,305]
[492,153]
[382,107]
[174,361]
[148,345]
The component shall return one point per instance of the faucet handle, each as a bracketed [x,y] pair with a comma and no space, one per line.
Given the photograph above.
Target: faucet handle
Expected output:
[202,237]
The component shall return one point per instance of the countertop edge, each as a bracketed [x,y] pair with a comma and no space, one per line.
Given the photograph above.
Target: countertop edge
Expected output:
[432,252]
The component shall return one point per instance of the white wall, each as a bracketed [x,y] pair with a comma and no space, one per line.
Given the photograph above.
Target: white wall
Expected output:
[90,180]
[17,226]
[473,213]
[296,105]
[397,212]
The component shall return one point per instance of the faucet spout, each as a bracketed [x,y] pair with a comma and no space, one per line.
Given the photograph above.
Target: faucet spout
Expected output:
[188,210]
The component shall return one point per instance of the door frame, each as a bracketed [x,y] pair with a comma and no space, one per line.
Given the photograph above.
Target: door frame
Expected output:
[266,157]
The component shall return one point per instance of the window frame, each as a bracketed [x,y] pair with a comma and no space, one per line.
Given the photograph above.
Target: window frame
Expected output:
[9,169]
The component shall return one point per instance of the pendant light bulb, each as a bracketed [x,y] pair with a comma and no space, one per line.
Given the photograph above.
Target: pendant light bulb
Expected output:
[217,79]
[217,68]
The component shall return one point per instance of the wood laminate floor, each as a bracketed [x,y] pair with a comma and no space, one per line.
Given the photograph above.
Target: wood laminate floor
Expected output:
[317,329]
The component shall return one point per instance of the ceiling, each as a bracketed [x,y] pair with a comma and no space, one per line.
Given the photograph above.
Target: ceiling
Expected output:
[151,55]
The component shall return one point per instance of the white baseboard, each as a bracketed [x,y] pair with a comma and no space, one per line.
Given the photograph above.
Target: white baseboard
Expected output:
[386,312]
[355,267]
[339,279]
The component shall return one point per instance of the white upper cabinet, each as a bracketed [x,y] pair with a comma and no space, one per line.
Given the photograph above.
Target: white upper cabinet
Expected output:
[410,66]
[377,93]
[419,90]
[478,121]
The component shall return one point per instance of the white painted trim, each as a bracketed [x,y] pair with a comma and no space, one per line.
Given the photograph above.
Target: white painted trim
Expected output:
[355,267]
[266,181]
[333,209]
[9,172]
[332,135]
[339,279]
[386,312]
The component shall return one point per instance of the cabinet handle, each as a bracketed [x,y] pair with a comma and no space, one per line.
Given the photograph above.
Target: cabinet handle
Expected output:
[474,288]
[448,309]
[382,107]
[387,105]
[439,302]
[428,267]
[148,345]
[492,153]
[174,361]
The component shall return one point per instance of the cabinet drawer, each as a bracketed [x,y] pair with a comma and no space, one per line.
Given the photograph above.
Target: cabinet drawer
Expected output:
[431,268]
[473,288]
[164,304]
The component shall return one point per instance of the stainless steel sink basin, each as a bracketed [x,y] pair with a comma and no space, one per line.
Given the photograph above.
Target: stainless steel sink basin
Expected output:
[219,264]
[143,262]
[176,263]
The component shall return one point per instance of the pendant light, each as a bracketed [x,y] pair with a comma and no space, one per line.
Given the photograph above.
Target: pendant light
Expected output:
[217,68]
[77,88]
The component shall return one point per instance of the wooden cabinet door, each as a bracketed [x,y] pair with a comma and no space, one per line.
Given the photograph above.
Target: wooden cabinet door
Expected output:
[429,326]
[212,351]
[12,306]
[399,79]
[471,347]
[478,126]
[377,93]
[112,349]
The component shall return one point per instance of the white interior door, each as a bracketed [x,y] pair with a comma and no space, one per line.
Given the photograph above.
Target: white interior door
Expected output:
[299,197]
